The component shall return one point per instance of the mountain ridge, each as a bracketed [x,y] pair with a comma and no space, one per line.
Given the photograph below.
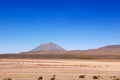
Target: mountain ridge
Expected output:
[94,54]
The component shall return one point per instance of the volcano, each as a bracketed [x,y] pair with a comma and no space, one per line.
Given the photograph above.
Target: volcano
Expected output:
[48,47]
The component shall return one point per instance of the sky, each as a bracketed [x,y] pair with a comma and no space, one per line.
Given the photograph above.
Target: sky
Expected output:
[72,24]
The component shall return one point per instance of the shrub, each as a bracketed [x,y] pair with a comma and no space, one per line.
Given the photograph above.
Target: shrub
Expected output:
[40,78]
[82,76]
[95,77]
[52,78]
[113,77]
[8,79]
[116,79]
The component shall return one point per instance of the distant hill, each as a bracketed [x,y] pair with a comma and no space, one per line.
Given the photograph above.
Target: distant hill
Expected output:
[111,47]
[48,47]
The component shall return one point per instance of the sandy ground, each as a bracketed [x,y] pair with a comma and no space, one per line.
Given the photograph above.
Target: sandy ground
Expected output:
[27,69]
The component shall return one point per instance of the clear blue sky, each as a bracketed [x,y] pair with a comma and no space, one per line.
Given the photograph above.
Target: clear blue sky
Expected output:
[73,24]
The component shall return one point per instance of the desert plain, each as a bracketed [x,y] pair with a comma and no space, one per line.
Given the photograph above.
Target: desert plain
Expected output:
[63,69]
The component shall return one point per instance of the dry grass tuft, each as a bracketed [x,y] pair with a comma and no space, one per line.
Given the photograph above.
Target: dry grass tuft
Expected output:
[40,78]
[82,76]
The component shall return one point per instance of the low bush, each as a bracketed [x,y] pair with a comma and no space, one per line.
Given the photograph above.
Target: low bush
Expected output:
[82,76]
[52,78]
[40,78]
[7,79]
[95,77]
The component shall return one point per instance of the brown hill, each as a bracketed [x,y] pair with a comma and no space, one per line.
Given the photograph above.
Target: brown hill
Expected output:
[111,47]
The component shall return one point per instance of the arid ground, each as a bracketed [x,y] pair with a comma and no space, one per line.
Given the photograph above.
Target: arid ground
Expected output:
[31,69]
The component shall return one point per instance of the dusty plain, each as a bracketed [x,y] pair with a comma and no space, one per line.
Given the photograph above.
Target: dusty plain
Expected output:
[70,69]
